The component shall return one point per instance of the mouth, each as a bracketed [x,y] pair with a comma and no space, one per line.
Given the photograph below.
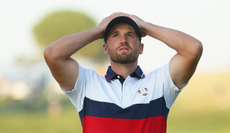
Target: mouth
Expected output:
[124,48]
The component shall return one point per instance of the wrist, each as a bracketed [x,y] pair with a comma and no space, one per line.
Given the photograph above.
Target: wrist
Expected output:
[100,32]
[145,28]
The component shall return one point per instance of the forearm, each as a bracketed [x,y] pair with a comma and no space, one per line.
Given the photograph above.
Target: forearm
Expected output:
[184,44]
[66,46]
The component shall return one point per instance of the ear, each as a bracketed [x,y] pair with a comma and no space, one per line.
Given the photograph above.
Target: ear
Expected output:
[105,48]
[141,48]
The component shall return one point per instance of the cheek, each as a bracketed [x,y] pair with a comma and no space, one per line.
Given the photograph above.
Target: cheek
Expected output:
[108,50]
[111,45]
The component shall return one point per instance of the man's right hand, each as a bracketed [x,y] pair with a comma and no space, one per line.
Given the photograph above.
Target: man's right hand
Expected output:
[103,24]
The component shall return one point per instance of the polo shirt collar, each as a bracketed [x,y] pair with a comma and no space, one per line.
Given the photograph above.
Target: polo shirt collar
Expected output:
[110,74]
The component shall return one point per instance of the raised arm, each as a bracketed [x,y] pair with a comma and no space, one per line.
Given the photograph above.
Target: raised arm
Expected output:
[57,55]
[189,50]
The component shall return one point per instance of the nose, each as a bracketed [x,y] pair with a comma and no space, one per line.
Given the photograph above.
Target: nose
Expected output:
[123,39]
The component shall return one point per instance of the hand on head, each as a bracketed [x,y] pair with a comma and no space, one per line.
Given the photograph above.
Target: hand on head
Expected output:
[106,21]
[141,24]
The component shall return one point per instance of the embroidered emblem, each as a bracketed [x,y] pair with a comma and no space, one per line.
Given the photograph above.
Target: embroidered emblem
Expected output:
[143,91]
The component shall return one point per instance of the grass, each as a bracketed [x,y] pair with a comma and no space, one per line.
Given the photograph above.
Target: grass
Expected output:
[199,122]
[68,121]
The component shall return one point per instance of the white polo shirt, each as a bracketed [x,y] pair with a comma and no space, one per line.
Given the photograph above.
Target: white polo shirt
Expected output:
[112,104]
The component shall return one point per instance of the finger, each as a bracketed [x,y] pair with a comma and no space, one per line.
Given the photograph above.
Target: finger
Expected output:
[126,14]
[117,14]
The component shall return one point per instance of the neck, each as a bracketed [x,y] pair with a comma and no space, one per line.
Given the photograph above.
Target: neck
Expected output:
[123,69]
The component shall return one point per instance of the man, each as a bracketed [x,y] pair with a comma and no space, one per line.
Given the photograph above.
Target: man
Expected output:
[124,100]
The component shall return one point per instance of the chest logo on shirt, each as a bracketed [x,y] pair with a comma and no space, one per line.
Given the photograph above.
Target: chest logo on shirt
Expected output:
[143,91]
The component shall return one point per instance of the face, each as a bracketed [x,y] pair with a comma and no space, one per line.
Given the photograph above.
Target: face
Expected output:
[123,45]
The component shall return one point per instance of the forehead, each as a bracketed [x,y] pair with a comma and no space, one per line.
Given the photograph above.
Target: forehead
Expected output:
[119,27]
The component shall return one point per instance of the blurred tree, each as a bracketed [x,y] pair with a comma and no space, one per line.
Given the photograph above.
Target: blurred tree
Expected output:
[59,24]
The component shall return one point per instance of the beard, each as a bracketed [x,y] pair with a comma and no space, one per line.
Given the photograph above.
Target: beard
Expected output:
[124,57]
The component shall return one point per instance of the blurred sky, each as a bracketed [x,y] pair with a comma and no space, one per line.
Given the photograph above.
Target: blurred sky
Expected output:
[206,20]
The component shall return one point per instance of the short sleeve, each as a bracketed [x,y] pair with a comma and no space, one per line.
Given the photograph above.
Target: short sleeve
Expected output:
[170,90]
[77,95]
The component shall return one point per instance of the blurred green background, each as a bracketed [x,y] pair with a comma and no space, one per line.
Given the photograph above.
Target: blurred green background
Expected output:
[30,99]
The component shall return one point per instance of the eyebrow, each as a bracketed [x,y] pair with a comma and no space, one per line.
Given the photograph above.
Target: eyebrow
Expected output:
[129,32]
[114,32]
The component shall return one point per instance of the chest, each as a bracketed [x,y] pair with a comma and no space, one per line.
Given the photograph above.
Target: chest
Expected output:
[132,91]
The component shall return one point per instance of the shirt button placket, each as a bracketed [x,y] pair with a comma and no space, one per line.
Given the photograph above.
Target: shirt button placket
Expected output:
[125,94]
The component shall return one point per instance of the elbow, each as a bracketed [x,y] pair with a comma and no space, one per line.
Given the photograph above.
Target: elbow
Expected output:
[199,49]
[49,54]
[195,50]
[53,54]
